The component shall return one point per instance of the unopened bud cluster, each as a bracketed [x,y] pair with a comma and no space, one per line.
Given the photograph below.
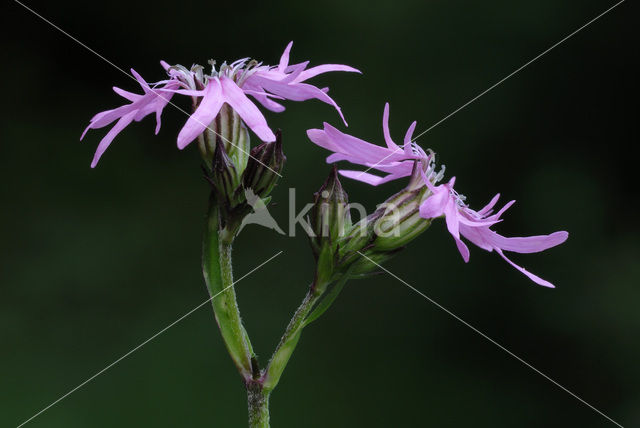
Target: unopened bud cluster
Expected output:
[239,177]
[341,247]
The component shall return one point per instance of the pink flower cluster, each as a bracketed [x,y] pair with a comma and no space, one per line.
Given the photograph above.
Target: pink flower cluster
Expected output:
[234,83]
[443,201]
[231,84]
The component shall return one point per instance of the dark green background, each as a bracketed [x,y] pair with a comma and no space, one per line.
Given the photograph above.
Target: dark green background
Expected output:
[95,261]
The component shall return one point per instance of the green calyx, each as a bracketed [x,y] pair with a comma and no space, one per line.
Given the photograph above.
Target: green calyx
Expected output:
[378,237]
[241,182]
[229,131]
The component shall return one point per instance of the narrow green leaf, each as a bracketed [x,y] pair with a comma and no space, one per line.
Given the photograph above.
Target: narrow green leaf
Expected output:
[327,301]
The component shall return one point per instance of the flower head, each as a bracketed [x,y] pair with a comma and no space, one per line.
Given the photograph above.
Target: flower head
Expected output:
[394,160]
[432,200]
[475,226]
[228,85]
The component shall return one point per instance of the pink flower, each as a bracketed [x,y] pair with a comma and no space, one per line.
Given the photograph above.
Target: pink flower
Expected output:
[475,226]
[396,161]
[142,105]
[230,84]
[286,82]
[219,90]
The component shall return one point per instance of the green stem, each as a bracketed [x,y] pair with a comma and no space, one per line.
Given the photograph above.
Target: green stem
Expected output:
[315,303]
[258,400]
[218,275]
[289,340]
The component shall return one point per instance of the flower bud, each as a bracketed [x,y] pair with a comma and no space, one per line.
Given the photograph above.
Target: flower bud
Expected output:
[224,179]
[385,232]
[330,213]
[264,166]
[231,188]
[329,219]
